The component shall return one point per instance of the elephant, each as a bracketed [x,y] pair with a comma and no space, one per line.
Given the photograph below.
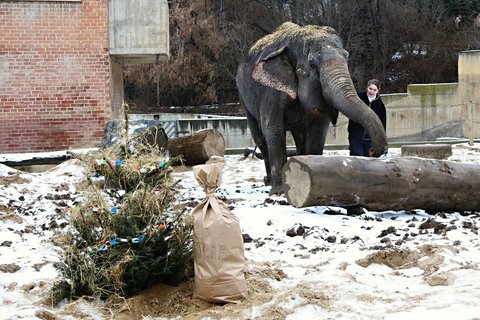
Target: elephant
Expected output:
[297,79]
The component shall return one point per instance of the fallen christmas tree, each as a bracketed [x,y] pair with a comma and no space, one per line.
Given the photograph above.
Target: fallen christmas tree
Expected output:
[124,236]
[382,184]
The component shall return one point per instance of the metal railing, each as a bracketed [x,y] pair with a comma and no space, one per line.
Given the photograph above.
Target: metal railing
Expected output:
[170,127]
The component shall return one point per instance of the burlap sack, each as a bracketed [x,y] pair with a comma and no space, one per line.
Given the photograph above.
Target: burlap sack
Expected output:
[219,252]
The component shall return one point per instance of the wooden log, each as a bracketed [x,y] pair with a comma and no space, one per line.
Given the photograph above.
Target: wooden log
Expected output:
[198,147]
[434,151]
[382,184]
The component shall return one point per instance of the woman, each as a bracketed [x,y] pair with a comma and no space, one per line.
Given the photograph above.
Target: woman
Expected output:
[358,138]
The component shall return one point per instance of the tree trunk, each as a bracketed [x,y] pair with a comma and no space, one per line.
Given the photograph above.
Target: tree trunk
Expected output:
[198,147]
[382,184]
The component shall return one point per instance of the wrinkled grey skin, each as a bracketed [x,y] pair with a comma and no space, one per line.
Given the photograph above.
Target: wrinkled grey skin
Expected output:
[296,79]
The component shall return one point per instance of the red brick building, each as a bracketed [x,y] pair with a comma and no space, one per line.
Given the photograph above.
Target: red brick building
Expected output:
[59,80]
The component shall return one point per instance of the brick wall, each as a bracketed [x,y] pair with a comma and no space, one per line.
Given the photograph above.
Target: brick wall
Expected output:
[54,75]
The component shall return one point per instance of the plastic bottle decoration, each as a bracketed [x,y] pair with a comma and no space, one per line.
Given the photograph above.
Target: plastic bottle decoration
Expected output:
[100,162]
[219,252]
[131,148]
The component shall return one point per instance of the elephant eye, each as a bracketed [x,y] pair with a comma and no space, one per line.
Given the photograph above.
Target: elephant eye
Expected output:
[314,60]
[314,72]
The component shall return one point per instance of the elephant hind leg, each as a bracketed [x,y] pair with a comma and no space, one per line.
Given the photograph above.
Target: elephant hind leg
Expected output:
[316,135]
[300,141]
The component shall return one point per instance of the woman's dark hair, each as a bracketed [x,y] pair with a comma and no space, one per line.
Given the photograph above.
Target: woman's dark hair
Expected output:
[375,82]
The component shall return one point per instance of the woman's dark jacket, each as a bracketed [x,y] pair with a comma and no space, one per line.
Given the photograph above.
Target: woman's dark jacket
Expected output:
[357,130]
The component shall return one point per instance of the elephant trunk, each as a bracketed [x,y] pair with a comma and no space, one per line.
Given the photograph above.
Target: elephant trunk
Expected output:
[338,90]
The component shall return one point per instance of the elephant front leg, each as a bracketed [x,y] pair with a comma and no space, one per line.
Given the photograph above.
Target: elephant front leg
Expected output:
[277,153]
[261,143]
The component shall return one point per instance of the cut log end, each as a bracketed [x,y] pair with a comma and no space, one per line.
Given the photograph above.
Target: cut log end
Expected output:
[297,175]
[214,145]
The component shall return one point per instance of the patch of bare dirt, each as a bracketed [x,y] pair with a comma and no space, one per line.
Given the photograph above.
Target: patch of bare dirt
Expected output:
[395,258]
[7,214]
[13,178]
[429,259]
[168,301]
[441,279]
[313,296]
[159,301]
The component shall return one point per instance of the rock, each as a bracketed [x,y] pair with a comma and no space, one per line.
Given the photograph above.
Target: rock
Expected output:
[6,243]
[331,239]
[429,224]
[296,230]
[246,238]
[9,268]
[388,231]
[355,211]
[441,279]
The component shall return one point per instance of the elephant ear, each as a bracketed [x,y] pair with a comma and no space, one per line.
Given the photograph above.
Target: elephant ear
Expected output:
[274,71]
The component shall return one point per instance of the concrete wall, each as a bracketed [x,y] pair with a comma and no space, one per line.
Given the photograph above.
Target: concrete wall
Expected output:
[233,129]
[425,112]
[469,89]
[139,31]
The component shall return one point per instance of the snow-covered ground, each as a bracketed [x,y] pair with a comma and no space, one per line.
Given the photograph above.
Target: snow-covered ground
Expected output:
[307,263]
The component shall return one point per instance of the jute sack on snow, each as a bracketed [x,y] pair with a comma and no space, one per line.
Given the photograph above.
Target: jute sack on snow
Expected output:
[219,253]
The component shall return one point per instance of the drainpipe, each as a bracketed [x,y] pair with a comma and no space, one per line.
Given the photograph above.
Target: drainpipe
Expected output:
[470,122]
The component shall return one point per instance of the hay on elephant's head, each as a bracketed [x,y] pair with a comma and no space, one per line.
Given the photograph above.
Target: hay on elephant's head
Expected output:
[289,31]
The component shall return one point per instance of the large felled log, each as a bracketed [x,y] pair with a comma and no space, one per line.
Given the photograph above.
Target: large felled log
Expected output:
[198,147]
[382,184]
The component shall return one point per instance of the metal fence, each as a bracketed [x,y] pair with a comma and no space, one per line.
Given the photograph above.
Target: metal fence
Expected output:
[170,127]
